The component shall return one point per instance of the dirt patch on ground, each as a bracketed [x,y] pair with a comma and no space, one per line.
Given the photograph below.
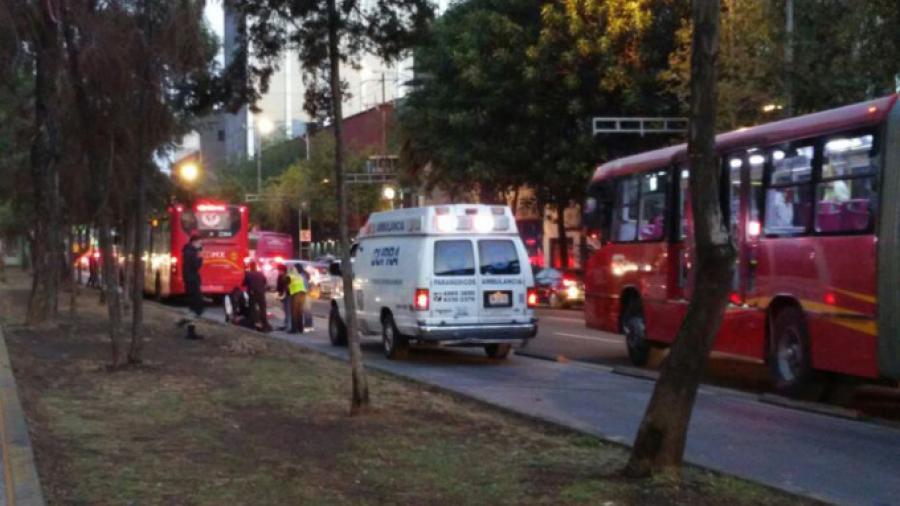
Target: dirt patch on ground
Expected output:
[241,419]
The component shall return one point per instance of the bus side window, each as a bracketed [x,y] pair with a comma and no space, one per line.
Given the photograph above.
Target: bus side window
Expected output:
[789,195]
[625,219]
[846,195]
[598,211]
[652,222]
[684,202]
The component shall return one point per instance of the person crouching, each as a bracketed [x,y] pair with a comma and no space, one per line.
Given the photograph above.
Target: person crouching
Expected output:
[255,282]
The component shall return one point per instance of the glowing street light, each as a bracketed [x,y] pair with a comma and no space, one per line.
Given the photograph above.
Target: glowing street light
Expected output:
[188,172]
[389,193]
[264,125]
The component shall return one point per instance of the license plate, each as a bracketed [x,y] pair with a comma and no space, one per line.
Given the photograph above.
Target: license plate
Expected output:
[498,299]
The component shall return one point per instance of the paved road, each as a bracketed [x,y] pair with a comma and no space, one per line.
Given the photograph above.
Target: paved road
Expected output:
[829,458]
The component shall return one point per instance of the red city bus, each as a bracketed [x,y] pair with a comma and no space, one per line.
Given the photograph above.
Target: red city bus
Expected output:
[223,230]
[268,248]
[812,205]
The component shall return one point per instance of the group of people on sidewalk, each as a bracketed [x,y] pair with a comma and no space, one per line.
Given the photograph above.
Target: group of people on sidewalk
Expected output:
[291,287]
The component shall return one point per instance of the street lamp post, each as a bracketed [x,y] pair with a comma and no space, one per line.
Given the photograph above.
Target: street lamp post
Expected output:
[303,206]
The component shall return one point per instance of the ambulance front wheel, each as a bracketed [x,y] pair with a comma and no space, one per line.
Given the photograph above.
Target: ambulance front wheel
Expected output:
[337,331]
[395,345]
[498,350]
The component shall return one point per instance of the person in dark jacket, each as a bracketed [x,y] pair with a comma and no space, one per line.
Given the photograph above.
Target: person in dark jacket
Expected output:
[190,273]
[255,282]
[285,297]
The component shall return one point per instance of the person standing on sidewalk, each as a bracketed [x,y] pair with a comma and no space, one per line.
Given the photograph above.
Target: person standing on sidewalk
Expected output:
[190,273]
[255,282]
[307,300]
[284,296]
[297,291]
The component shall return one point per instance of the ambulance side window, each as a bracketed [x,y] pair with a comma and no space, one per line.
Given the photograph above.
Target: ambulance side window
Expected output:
[454,258]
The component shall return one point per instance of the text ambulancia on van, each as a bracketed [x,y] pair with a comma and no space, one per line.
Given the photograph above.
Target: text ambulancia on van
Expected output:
[453,275]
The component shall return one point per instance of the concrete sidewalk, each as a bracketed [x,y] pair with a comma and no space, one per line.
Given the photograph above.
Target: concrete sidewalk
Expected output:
[19,484]
[823,457]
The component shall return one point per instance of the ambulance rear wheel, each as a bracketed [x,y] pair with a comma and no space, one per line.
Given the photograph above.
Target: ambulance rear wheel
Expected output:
[497,350]
[337,331]
[395,345]
[635,331]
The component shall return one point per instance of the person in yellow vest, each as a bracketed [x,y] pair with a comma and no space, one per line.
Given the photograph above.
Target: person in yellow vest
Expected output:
[297,291]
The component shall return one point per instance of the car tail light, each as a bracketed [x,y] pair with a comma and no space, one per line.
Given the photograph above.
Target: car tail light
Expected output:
[567,282]
[532,297]
[735,298]
[422,299]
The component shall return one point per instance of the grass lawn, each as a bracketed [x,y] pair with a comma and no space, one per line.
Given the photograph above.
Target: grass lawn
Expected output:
[242,419]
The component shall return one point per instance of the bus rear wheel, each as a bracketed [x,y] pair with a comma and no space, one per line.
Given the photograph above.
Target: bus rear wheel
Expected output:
[790,364]
[635,331]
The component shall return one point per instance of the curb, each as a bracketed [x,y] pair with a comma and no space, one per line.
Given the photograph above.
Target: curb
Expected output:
[20,475]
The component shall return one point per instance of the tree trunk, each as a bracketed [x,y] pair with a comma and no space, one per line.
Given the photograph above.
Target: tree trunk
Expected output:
[43,302]
[110,286]
[127,246]
[137,285]
[360,396]
[76,270]
[660,442]
[561,235]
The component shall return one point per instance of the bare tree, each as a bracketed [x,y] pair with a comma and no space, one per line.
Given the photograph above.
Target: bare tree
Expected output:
[660,442]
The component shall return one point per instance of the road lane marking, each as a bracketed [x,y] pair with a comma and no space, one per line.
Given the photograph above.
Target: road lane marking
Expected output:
[591,338]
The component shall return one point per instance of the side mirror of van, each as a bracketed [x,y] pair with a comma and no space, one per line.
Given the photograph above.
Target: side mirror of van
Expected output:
[334,268]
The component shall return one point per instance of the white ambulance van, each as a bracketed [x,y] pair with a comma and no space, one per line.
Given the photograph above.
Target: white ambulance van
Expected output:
[451,275]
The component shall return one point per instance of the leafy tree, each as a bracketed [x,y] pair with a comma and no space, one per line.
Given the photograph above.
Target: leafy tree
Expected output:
[749,65]
[834,43]
[134,67]
[659,447]
[327,34]
[509,89]
[310,181]
[466,120]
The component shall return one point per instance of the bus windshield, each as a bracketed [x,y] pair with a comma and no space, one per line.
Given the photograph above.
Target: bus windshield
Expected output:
[214,222]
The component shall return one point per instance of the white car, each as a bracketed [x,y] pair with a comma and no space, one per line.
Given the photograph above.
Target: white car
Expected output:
[446,275]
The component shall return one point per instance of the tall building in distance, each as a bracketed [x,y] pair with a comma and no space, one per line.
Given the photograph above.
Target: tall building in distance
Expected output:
[223,137]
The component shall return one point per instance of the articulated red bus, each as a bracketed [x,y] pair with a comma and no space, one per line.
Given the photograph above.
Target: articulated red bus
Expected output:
[812,204]
[223,230]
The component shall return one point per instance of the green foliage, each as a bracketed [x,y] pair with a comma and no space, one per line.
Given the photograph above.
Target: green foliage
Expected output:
[508,90]
[312,181]
[844,52]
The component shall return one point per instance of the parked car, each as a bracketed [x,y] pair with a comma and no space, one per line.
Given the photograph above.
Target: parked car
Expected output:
[560,289]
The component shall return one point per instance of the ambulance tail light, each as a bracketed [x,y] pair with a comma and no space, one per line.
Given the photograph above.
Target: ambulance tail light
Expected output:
[422,299]
[532,297]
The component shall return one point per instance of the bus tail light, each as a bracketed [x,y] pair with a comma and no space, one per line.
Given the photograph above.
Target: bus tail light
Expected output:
[421,301]
[532,297]
[830,299]
[735,298]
